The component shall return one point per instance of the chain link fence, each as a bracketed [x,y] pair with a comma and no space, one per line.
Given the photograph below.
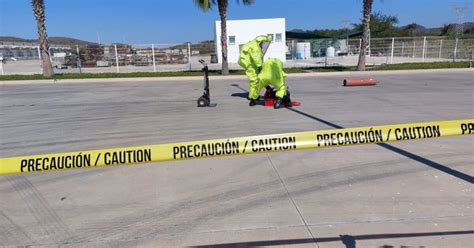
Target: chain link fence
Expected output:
[24,58]
[345,52]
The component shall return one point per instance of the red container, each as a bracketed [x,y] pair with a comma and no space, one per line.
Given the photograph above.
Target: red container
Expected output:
[360,82]
[268,102]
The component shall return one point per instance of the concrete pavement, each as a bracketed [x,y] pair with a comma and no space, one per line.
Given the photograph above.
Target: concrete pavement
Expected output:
[360,196]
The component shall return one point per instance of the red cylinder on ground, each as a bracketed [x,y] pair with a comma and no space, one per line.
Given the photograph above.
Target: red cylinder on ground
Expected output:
[360,82]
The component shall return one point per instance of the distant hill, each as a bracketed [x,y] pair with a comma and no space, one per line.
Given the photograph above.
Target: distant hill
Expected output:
[52,40]
[420,29]
[413,29]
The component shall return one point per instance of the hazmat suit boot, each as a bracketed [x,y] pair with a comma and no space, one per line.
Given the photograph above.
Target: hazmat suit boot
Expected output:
[252,103]
[277,103]
[287,99]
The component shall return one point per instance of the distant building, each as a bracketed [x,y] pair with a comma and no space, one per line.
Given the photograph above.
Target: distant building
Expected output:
[240,32]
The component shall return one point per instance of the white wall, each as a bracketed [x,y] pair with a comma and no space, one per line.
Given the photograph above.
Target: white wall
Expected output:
[246,30]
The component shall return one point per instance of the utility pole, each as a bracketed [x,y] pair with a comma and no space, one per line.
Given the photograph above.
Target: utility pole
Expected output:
[459,12]
[459,28]
[345,24]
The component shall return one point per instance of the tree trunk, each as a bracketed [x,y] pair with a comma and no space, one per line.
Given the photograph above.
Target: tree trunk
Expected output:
[38,11]
[365,34]
[222,4]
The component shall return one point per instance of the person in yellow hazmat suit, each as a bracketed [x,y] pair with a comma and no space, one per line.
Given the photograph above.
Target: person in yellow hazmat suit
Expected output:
[262,74]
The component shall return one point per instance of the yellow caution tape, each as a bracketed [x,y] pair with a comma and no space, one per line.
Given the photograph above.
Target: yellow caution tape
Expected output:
[235,146]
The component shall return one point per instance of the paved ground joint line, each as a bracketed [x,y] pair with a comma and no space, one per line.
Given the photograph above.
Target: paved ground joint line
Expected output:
[293,201]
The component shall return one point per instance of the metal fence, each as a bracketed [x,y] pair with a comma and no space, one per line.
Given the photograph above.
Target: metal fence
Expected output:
[412,47]
[24,58]
[135,57]
[345,52]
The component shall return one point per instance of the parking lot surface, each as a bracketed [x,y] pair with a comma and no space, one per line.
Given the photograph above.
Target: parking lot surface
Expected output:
[400,194]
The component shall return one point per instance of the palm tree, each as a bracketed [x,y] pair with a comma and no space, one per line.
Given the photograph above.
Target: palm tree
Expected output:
[38,11]
[222,5]
[367,11]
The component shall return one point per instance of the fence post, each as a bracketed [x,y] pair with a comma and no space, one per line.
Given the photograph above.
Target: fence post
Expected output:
[403,48]
[1,66]
[153,56]
[370,43]
[293,52]
[49,53]
[116,58]
[391,53]
[39,53]
[440,48]
[423,51]
[41,61]
[78,61]
[360,45]
[189,55]
[455,50]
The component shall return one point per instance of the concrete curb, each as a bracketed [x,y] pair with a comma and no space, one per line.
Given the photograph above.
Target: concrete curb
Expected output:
[231,77]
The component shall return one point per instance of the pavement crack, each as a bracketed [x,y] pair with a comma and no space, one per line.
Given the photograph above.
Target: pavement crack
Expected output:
[293,202]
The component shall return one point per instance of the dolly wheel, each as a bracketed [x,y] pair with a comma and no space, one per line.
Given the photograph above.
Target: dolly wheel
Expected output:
[202,102]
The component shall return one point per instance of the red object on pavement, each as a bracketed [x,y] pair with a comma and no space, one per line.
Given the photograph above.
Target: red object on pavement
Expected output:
[296,104]
[268,102]
[360,82]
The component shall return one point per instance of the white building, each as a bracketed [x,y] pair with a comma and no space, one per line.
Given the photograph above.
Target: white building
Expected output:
[240,32]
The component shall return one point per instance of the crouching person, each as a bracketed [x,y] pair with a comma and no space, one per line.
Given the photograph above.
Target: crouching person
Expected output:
[262,74]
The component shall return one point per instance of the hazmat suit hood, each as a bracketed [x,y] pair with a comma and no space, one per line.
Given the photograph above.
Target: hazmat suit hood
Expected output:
[251,54]
[264,46]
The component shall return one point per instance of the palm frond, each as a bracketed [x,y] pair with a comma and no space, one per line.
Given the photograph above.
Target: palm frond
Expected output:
[247,2]
[205,5]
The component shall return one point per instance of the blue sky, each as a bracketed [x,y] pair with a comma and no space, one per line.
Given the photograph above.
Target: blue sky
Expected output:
[173,21]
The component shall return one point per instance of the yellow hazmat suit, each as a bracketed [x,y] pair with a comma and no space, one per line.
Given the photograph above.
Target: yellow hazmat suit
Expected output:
[259,73]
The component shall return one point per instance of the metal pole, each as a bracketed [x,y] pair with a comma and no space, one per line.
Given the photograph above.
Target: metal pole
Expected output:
[49,53]
[153,57]
[455,50]
[403,48]
[293,52]
[40,59]
[116,58]
[424,47]
[440,47]
[78,62]
[360,45]
[326,59]
[370,44]
[189,55]
[391,53]
[414,44]
[39,53]
[1,66]
[347,42]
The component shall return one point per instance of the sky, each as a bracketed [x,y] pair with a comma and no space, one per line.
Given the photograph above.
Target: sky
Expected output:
[177,21]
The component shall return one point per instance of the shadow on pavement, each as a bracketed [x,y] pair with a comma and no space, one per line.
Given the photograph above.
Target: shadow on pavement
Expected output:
[432,164]
[402,152]
[242,95]
[349,241]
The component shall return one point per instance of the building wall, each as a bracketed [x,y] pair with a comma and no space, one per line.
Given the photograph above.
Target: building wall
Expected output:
[246,30]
